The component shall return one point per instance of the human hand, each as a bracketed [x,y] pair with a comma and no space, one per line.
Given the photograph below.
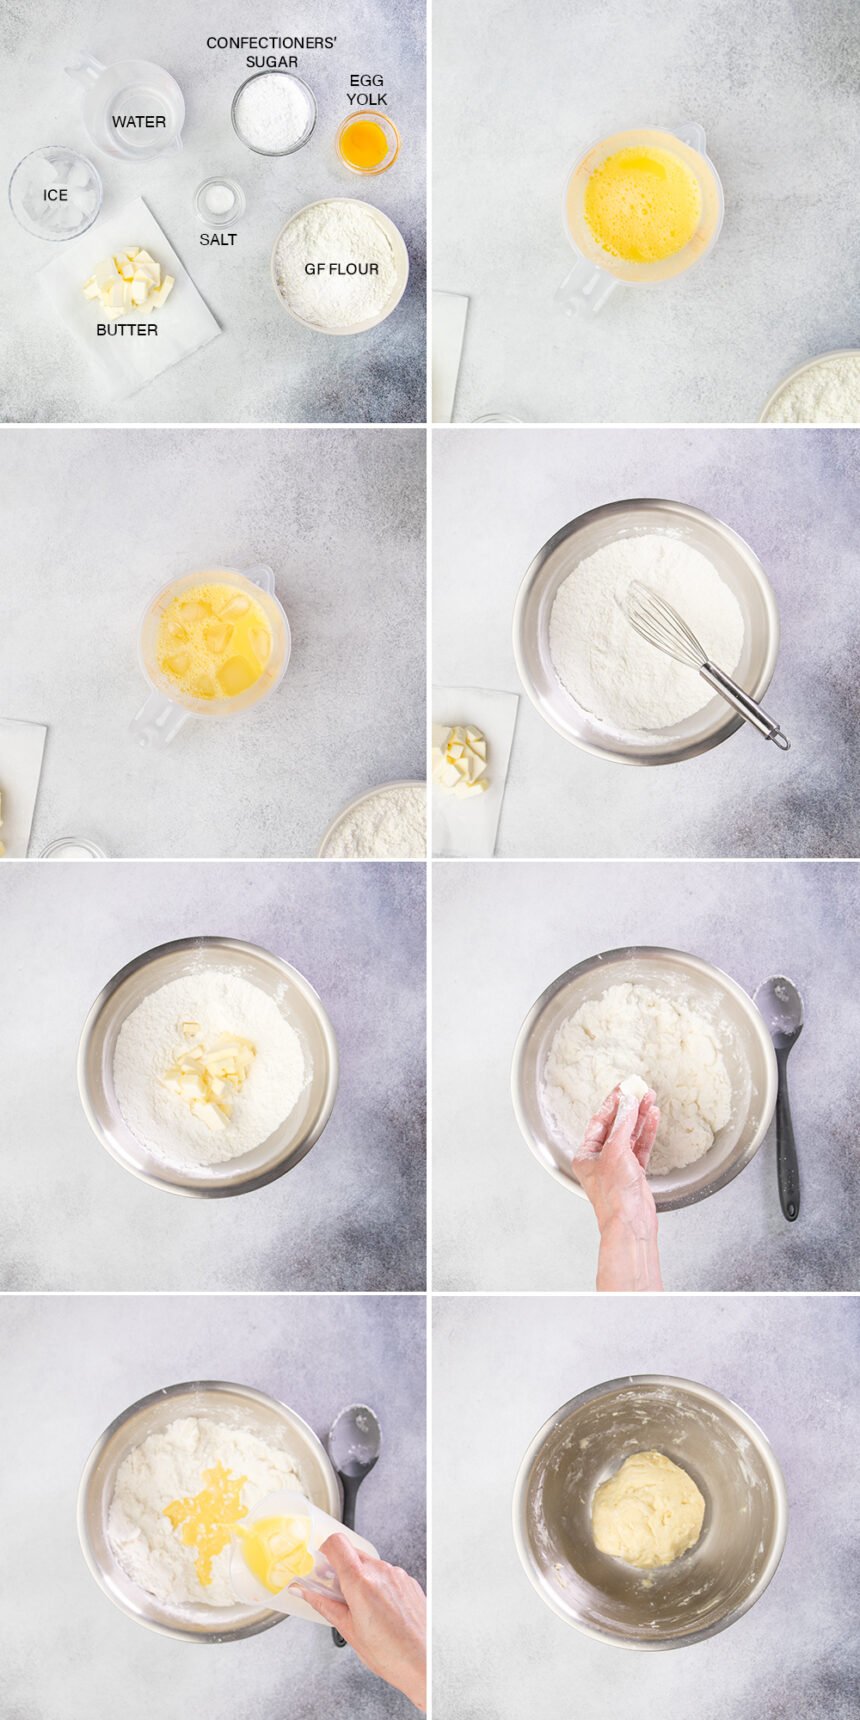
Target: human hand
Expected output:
[383,1616]
[610,1166]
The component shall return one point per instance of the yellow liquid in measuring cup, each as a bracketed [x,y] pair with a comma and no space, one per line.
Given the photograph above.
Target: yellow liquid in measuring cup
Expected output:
[214,642]
[276,1550]
[643,204]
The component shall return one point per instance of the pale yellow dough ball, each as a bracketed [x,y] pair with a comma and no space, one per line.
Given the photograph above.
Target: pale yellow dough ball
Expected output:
[648,1513]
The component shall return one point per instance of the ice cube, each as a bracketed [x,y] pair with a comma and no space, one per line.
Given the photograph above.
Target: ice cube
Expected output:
[79,175]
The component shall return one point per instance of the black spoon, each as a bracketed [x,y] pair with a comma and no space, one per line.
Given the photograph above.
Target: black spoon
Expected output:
[354,1442]
[781,1005]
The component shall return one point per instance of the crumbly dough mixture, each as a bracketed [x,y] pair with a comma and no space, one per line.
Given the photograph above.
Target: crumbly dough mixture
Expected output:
[167,1466]
[648,1513]
[633,1030]
[603,663]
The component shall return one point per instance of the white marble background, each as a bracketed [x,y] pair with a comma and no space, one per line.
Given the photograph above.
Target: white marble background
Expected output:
[501,934]
[497,497]
[351,1216]
[520,91]
[503,1366]
[70,1365]
[264,367]
[94,525]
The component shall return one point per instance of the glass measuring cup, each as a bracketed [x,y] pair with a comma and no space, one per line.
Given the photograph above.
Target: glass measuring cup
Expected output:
[132,88]
[595,273]
[162,715]
[251,1592]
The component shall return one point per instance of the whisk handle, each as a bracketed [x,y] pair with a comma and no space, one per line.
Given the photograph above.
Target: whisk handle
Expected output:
[744,705]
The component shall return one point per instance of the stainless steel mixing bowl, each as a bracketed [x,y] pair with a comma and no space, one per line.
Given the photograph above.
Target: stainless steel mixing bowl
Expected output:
[214,1400]
[746,1046]
[298,1003]
[709,1587]
[733,560]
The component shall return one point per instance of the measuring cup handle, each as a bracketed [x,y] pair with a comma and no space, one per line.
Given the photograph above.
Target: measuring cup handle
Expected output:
[157,721]
[85,69]
[691,133]
[262,576]
[585,289]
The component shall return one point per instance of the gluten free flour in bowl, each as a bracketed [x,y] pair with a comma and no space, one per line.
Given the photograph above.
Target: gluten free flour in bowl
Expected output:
[334,266]
[177,1500]
[634,1030]
[206,1068]
[601,661]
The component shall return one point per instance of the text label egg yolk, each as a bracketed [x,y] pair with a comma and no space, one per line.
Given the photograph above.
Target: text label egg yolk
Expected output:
[276,1550]
[643,205]
[213,642]
[207,1520]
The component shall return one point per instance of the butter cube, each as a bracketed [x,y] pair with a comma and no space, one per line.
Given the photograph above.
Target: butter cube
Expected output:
[139,290]
[164,290]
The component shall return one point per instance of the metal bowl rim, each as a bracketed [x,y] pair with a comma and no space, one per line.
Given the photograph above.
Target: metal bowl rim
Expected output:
[717,1399]
[198,1188]
[718,732]
[590,964]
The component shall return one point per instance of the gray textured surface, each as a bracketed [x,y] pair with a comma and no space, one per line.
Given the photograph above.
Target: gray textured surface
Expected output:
[338,514]
[518,96]
[264,367]
[69,1366]
[502,1367]
[351,1216]
[498,497]
[501,934]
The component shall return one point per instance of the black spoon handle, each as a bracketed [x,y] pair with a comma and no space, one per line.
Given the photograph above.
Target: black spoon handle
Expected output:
[787,1169]
[350,1489]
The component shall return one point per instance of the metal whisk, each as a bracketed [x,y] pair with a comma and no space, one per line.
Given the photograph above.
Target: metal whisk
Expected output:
[655,620]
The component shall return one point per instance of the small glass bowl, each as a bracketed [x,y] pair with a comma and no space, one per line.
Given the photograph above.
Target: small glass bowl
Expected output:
[312,113]
[57,850]
[16,203]
[206,215]
[386,125]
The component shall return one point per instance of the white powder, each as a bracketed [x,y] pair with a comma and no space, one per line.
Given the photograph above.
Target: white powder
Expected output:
[603,663]
[272,113]
[389,825]
[827,393]
[222,1002]
[358,275]
[632,1030]
[169,1466]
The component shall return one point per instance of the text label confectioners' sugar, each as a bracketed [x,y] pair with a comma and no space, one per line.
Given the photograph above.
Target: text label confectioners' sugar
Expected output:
[334,265]
[633,1030]
[217,1003]
[172,1466]
[389,825]
[826,393]
[272,113]
[604,664]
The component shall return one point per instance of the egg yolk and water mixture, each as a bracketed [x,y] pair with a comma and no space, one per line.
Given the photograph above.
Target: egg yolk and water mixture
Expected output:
[643,204]
[275,1549]
[213,642]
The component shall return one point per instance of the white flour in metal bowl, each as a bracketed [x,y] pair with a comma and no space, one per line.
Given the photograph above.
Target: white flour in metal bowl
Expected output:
[388,825]
[170,1466]
[603,663]
[334,265]
[220,1002]
[634,1030]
